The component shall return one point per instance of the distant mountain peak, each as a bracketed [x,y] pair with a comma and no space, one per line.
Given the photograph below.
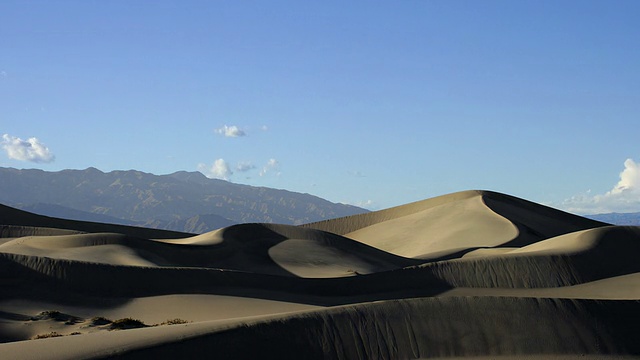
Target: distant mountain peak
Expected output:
[191,177]
[93,170]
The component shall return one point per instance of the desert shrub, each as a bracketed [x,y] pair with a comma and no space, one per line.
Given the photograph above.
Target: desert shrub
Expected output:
[127,323]
[49,314]
[48,335]
[174,322]
[100,320]
[57,316]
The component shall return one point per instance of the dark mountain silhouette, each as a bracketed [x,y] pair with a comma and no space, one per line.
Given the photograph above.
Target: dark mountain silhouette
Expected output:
[182,201]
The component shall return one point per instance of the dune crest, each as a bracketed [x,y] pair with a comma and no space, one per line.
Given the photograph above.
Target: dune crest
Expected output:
[428,233]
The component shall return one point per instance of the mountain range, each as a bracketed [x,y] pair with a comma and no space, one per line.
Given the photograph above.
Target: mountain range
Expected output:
[617,218]
[182,201]
[187,202]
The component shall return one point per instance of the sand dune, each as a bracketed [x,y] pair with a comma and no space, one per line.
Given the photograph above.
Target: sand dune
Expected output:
[452,224]
[15,217]
[470,274]
[257,248]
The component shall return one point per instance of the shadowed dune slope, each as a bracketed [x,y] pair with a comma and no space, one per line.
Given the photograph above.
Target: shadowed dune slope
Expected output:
[565,260]
[401,329]
[16,217]
[395,329]
[535,222]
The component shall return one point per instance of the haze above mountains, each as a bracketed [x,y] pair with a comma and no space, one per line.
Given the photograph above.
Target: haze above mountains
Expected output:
[182,201]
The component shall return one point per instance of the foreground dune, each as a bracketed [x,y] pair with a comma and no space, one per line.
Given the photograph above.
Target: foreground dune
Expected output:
[470,274]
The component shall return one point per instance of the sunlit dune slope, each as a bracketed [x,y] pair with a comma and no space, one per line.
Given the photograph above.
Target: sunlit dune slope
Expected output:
[261,248]
[450,225]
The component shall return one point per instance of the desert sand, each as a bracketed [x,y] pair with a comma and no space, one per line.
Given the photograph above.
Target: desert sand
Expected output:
[474,274]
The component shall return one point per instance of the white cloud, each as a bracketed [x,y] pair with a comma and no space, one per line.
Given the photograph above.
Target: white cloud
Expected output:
[26,150]
[221,169]
[623,197]
[218,170]
[245,166]
[629,179]
[230,131]
[367,204]
[272,165]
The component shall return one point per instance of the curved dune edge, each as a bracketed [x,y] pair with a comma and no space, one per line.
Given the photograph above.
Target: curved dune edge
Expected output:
[514,209]
[454,276]
[613,248]
[448,226]
[259,248]
[434,231]
[348,224]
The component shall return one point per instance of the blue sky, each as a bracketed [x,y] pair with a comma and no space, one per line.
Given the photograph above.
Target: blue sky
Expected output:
[373,103]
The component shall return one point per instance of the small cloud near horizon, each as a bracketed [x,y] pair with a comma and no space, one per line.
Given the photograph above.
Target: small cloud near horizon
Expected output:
[272,165]
[623,197]
[26,150]
[218,170]
[221,169]
[366,204]
[245,166]
[230,131]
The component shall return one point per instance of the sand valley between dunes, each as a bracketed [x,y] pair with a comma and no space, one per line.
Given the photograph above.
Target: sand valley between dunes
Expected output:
[474,274]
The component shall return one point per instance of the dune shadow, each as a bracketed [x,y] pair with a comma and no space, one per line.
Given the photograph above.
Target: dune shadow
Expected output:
[535,222]
[55,280]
